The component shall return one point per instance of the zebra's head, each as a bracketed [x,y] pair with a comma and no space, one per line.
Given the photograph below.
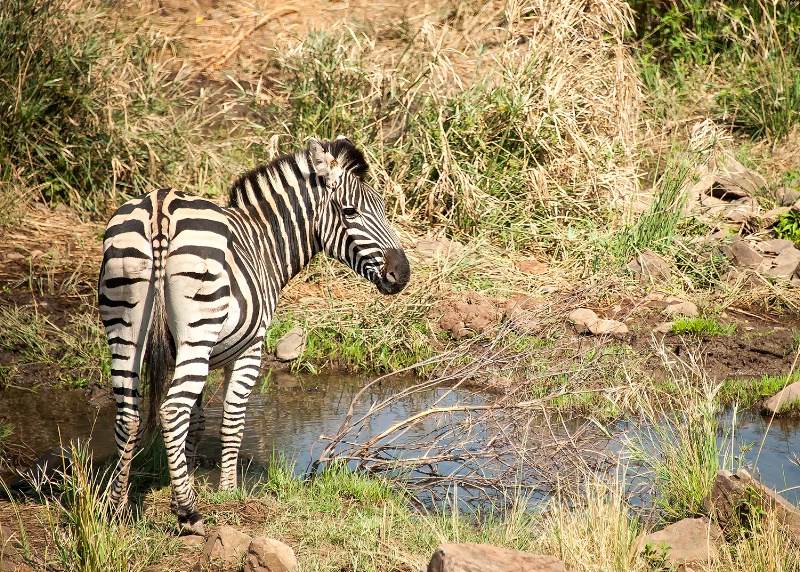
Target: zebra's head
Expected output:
[351,221]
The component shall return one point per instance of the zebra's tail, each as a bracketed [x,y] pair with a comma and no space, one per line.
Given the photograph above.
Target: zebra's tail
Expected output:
[159,353]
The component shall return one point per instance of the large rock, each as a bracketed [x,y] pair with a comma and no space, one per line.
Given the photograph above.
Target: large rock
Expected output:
[743,255]
[785,264]
[774,246]
[291,344]
[225,546]
[46,473]
[8,540]
[739,500]
[269,555]
[786,399]
[787,196]
[691,540]
[650,268]
[471,557]
[734,180]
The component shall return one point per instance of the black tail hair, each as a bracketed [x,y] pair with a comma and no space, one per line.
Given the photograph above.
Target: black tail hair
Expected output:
[159,356]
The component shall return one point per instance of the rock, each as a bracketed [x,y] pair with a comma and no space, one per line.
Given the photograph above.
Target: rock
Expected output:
[786,196]
[548,289]
[7,541]
[433,248]
[531,266]
[664,327]
[735,181]
[472,314]
[742,254]
[47,472]
[269,555]
[786,399]
[225,546]
[582,318]
[688,309]
[291,345]
[520,302]
[687,541]
[774,246]
[785,263]
[739,500]
[650,268]
[770,217]
[608,327]
[471,557]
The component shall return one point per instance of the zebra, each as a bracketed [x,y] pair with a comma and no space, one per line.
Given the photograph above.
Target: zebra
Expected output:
[187,286]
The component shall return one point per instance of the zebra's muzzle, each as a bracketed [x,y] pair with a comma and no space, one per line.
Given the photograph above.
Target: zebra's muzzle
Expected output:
[395,272]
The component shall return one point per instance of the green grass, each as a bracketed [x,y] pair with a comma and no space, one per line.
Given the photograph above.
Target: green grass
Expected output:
[702,326]
[79,352]
[93,536]
[749,392]
[679,445]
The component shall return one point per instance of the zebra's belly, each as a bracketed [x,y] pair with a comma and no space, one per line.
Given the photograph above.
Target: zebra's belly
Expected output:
[242,328]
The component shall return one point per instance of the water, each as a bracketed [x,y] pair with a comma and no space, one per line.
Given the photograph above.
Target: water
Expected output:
[295,412]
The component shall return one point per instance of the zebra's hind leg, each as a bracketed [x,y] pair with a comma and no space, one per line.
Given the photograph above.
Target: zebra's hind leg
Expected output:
[197,426]
[240,378]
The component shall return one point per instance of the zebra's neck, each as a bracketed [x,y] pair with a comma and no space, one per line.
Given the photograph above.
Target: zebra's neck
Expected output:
[276,207]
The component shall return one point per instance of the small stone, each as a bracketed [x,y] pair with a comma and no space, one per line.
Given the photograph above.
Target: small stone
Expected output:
[531,266]
[432,248]
[291,344]
[743,255]
[688,309]
[226,546]
[269,555]
[582,318]
[785,400]
[688,540]
[664,327]
[786,196]
[520,302]
[610,327]
[650,268]
[548,289]
[774,246]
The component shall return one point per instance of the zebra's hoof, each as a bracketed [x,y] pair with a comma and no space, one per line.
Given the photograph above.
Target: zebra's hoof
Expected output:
[192,524]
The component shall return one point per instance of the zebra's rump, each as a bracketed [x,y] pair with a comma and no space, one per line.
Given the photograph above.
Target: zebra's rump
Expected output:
[177,247]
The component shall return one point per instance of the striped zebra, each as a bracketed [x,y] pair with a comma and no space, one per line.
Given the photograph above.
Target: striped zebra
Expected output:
[187,286]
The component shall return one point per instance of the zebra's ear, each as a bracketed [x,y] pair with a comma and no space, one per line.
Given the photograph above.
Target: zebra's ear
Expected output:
[320,160]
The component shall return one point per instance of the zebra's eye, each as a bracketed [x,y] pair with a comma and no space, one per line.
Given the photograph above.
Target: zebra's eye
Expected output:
[349,212]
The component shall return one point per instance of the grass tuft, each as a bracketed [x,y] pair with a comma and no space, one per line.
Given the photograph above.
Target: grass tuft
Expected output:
[702,326]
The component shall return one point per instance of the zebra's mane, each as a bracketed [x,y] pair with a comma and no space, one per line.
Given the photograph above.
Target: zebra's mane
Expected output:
[350,158]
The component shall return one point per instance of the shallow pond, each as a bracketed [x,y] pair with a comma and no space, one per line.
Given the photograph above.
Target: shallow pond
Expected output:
[291,416]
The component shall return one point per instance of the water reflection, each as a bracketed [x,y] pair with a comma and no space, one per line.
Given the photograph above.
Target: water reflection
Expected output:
[295,412]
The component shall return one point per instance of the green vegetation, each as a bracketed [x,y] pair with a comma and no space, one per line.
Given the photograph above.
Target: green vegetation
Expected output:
[702,326]
[748,392]
[788,226]
[679,444]
[79,352]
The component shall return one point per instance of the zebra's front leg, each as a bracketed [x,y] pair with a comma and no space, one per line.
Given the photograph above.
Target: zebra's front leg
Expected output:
[240,378]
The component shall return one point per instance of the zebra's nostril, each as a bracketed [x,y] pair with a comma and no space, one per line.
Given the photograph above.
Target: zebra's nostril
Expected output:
[391,278]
